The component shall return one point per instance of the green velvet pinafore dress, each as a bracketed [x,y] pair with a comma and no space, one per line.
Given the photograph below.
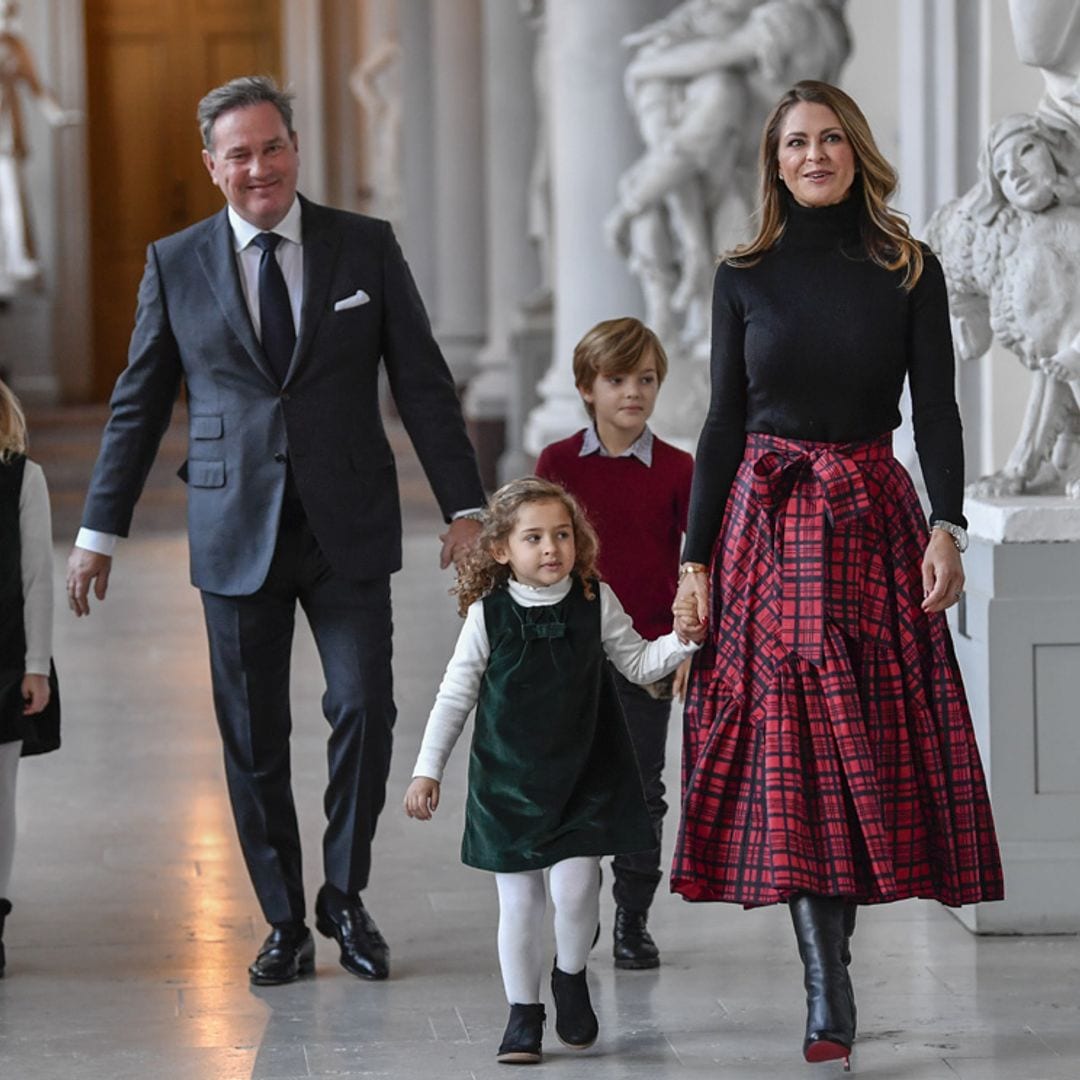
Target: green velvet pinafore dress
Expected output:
[552,771]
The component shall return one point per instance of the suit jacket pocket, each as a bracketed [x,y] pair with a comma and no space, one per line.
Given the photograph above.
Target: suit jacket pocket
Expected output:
[206,427]
[206,474]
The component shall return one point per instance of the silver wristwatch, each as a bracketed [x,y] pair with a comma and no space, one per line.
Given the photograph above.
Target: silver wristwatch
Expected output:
[957,532]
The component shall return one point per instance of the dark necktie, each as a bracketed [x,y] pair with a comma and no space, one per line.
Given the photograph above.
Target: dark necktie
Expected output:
[275,311]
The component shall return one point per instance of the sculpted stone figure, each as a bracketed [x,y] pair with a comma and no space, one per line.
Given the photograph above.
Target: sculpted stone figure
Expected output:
[700,84]
[375,84]
[18,260]
[1010,249]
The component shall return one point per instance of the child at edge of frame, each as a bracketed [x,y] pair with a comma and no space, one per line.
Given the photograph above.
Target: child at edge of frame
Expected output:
[635,490]
[553,783]
[29,696]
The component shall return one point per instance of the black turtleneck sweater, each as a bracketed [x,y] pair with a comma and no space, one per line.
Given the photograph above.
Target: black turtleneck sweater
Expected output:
[814,342]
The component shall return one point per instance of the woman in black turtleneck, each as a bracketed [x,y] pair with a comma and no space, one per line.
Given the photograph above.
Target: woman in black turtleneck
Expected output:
[829,757]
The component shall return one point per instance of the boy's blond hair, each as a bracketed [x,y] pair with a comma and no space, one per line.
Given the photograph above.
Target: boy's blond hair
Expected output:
[616,347]
[12,425]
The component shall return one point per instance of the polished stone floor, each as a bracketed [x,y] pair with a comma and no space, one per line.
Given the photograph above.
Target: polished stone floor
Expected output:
[134,921]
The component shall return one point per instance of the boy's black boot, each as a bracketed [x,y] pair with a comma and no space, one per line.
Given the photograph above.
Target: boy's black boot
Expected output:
[575,1022]
[5,911]
[633,947]
[521,1040]
[820,925]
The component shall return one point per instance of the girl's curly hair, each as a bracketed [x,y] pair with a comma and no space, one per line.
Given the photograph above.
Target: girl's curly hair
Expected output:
[480,573]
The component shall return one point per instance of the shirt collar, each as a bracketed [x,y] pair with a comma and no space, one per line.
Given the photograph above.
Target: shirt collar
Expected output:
[641,447]
[289,227]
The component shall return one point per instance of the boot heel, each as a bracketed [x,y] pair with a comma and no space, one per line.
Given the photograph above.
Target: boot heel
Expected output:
[823,931]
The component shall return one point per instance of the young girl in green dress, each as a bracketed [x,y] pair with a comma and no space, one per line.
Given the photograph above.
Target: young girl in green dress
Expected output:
[553,782]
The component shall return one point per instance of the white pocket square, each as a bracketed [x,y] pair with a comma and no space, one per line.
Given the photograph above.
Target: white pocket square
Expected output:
[359,297]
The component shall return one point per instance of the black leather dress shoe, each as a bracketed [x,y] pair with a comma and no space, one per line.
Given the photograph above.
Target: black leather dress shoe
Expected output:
[286,954]
[364,951]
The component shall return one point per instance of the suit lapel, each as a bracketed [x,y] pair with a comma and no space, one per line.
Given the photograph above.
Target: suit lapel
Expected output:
[218,259]
[321,243]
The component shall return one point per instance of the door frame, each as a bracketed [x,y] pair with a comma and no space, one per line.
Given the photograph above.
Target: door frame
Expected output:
[72,330]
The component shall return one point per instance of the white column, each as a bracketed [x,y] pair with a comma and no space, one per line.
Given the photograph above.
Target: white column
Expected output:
[512,266]
[302,59]
[460,256]
[593,141]
[417,228]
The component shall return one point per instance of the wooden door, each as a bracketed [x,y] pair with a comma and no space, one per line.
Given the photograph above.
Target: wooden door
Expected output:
[148,64]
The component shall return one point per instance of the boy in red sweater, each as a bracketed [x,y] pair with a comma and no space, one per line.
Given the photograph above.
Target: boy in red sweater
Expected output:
[635,489]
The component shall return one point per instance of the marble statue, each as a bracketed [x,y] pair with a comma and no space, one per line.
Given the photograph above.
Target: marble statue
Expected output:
[18,259]
[375,83]
[700,84]
[1010,248]
[541,228]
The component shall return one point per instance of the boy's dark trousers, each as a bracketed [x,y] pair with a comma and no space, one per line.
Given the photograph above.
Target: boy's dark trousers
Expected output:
[637,875]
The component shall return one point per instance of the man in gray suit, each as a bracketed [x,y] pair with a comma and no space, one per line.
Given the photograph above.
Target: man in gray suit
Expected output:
[275,314]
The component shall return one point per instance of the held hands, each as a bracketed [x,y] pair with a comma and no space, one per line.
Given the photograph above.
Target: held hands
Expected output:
[83,568]
[691,606]
[942,572]
[688,624]
[422,798]
[457,540]
[35,694]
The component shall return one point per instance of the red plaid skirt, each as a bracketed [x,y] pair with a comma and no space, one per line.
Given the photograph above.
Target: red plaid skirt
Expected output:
[828,746]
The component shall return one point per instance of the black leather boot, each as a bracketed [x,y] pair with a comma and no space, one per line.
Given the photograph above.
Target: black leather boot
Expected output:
[521,1040]
[633,947]
[575,1022]
[5,911]
[819,923]
[851,909]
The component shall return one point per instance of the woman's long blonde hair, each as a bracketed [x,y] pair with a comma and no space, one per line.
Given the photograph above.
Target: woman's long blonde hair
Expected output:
[885,233]
[12,425]
[480,574]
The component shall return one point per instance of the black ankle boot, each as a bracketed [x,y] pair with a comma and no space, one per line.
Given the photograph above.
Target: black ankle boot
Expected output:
[5,911]
[575,1022]
[633,947]
[819,923]
[521,1040]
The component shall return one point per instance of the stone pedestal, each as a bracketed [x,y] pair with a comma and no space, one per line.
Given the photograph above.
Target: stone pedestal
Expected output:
[1017,635]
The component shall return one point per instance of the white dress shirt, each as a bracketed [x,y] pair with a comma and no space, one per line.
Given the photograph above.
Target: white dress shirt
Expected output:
[290,257]
[639,660]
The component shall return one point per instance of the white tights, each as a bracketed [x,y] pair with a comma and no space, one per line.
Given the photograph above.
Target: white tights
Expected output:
[575,895]
[9,767]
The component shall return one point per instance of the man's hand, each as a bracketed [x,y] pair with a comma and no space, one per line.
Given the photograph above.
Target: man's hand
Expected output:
[85,568]
[422,798]
[457,540]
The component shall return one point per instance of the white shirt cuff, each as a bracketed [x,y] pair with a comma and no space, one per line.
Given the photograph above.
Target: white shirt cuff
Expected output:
[99,542]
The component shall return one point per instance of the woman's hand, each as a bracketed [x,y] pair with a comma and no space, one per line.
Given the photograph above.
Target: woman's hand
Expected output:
[942,572]
[692,586]
[422,798]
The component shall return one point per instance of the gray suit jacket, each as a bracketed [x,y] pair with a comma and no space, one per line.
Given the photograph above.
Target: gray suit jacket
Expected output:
[192,323]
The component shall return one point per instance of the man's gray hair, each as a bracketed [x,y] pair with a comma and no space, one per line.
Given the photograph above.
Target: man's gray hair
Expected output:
[240,94]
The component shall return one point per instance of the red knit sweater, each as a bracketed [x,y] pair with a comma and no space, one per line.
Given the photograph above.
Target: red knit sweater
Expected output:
[639,513]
